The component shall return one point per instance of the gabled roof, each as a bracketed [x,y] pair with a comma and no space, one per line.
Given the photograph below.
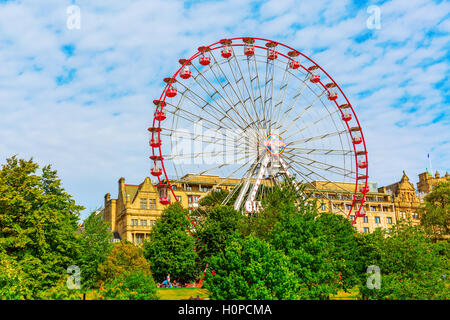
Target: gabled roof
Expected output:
[131,191]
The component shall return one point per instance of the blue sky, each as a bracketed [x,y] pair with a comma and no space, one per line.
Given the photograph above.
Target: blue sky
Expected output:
[81,99]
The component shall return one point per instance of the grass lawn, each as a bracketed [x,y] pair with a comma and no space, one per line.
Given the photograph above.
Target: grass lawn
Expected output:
[182,293]
[186,293]
[351,295]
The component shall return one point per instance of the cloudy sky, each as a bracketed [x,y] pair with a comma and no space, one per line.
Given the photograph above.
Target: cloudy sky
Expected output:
[80,99]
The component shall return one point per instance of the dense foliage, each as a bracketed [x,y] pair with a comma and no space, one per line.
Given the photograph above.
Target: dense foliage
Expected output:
[130,285]
[38,228]
[125,257]
[96,247]
[288,250]
[171,248]
[435,211]
[411,266]
[214,230]
[249,268]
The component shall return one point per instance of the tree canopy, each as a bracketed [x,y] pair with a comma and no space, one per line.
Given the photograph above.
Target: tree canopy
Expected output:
[38,224]
[249,268]
[171,249]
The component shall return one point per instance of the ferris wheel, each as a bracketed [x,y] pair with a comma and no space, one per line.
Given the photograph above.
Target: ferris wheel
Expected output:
[257,111]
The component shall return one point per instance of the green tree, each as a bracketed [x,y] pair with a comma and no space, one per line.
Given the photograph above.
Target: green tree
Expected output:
[124,257]
[171,249]
[38,223]
[435,211]
[212,232]
[249,268]
[282,199]
[299,236]
[343,253]
[96,247]
[411,266]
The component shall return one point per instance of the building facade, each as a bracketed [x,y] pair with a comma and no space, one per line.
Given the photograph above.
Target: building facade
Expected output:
[406,202]
[137,207]
[427,181]
[337,198]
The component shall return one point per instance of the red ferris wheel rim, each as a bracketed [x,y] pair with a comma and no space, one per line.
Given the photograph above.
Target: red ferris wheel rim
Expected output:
[275,47]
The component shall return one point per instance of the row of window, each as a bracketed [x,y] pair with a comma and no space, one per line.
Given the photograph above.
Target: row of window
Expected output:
[142,223]
[367,230]
[200,188]
[345,197]
[377,219]
[323,207]
[151,203]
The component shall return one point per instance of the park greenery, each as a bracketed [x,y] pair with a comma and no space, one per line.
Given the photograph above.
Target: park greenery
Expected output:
[288,250]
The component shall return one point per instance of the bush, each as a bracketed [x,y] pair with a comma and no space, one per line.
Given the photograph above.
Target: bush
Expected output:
[124,257]
[135,285]
[250,268]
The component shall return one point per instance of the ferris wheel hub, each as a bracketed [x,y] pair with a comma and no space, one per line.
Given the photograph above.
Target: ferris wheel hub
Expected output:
[274,144]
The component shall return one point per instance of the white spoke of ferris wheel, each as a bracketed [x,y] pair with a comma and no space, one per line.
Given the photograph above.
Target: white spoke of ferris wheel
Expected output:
[219,141]
[335,152]
[224,165]
[206,103]
[292,104]
[326,135]
[282,93]
[311,124]
[237,93]
[231,174]
[211,153]
[211,96]
[193,98]
[315,173]
[250,96]
[218,125]
[303,112]
[254,77]
[229,103]
[262,108]
[345,172]
[268,91]
[171,132]
[317,190]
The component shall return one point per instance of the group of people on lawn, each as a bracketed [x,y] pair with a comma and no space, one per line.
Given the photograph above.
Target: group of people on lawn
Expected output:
[167,284]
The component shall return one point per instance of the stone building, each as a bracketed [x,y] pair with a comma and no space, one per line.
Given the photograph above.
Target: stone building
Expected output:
[406,202]
[337,197]
[427,181]
[137,207]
